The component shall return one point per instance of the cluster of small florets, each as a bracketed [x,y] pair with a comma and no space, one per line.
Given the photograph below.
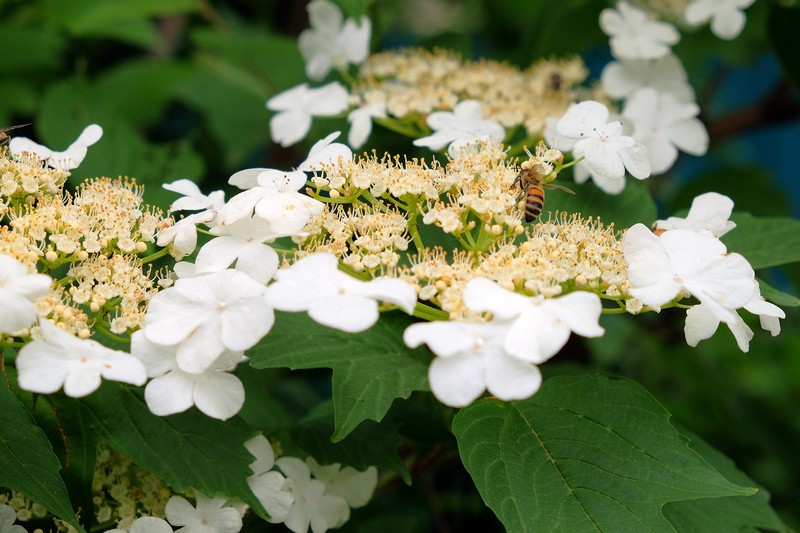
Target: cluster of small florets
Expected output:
[25,508]
[59,308]
[559,255]
[416,81]
[26,178]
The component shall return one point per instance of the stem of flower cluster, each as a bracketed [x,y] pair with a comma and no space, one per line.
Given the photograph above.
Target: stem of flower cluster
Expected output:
[429,313]
[155,255]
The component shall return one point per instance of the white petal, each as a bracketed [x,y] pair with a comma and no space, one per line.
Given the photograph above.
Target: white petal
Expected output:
[581,119]
[289,127]
[180,512]
[445,339]
[170,394]
[346,312]
[482,295]
[219,395]
[264,455]
[510,379]
[246,179]
[457,381]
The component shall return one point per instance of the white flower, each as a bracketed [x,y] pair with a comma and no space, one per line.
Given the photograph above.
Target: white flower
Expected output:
[242,242]
[193,199]
[145,524]
[471,359]
[709,214]
[663,124]
[68,159]
[18,290]
[7,518]
[311,505]
[360,120]
[660,267]
[636,36]
[215,392]
[183,233]
[207,315]
[702,322]
[465,126]
[209,515]
[539,327]
[60,359]
[331,41]
[331,297]
[354,486]
[727,17]
[607,152]
[268,485]
[666,74]
[297,105]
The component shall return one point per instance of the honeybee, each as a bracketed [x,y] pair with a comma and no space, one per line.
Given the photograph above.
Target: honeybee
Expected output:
[4,138]
[531,180]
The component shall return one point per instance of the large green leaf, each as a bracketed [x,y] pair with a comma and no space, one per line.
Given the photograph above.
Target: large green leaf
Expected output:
[587,453]
[27,461]
[80,460]
[765,242]
[186,450]
[721,515]
[370,369]
[634,204]
[370,444]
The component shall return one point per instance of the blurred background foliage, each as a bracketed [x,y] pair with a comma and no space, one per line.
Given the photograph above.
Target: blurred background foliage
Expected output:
[179,87]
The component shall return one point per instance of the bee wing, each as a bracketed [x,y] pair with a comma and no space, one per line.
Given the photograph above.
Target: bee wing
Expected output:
[560,188]
[23,144]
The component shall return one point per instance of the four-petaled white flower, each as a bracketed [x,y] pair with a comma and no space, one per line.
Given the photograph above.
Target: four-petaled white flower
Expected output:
[70,158]
[18,290]
[333,298]
[666,74]
[663,124]
[244,242]
[214,391]
[297,105]
[183,233]
[332,41]
[634,35]
[354,486]
[145,524]
[207,315]
[702,322]
[471,358]
[61,360]
[312,506]
[193,198]
[268,485]
[208,515]
[606,151]
[7,518]
[539,327]
[661,267]
[360,120]
[709,214]
[727,16]
[461,128]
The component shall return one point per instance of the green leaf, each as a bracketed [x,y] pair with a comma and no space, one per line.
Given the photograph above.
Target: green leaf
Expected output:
[370,444]
[370,369]
[186,450]
[587,453]
[765,242]
[721,515]
[27,461]
[634,204]
[775,296]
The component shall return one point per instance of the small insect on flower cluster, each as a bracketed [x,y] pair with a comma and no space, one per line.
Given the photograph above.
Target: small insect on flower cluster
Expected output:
[536,176]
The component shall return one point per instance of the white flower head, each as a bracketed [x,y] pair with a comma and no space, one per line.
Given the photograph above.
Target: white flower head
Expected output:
[70,158]
[61,360]
[471,358]
[7,518]
[208,515]
[607,152]
[539,327]
[312,506]
[267,484]
[661,267]
[193,199]
[461,128]
[207,315]
[710,214]
[214,391]
[347,482]
[666,74]
[18,290]
[296,106]
[243,242]
[331,297]
[664,124]
[634,35]
[360,120]
[332,41]
[727,16]
[182,235]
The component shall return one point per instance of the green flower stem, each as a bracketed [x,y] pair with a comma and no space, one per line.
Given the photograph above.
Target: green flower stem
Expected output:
[397,127]
[100,326]
[429,313]
[156,255]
